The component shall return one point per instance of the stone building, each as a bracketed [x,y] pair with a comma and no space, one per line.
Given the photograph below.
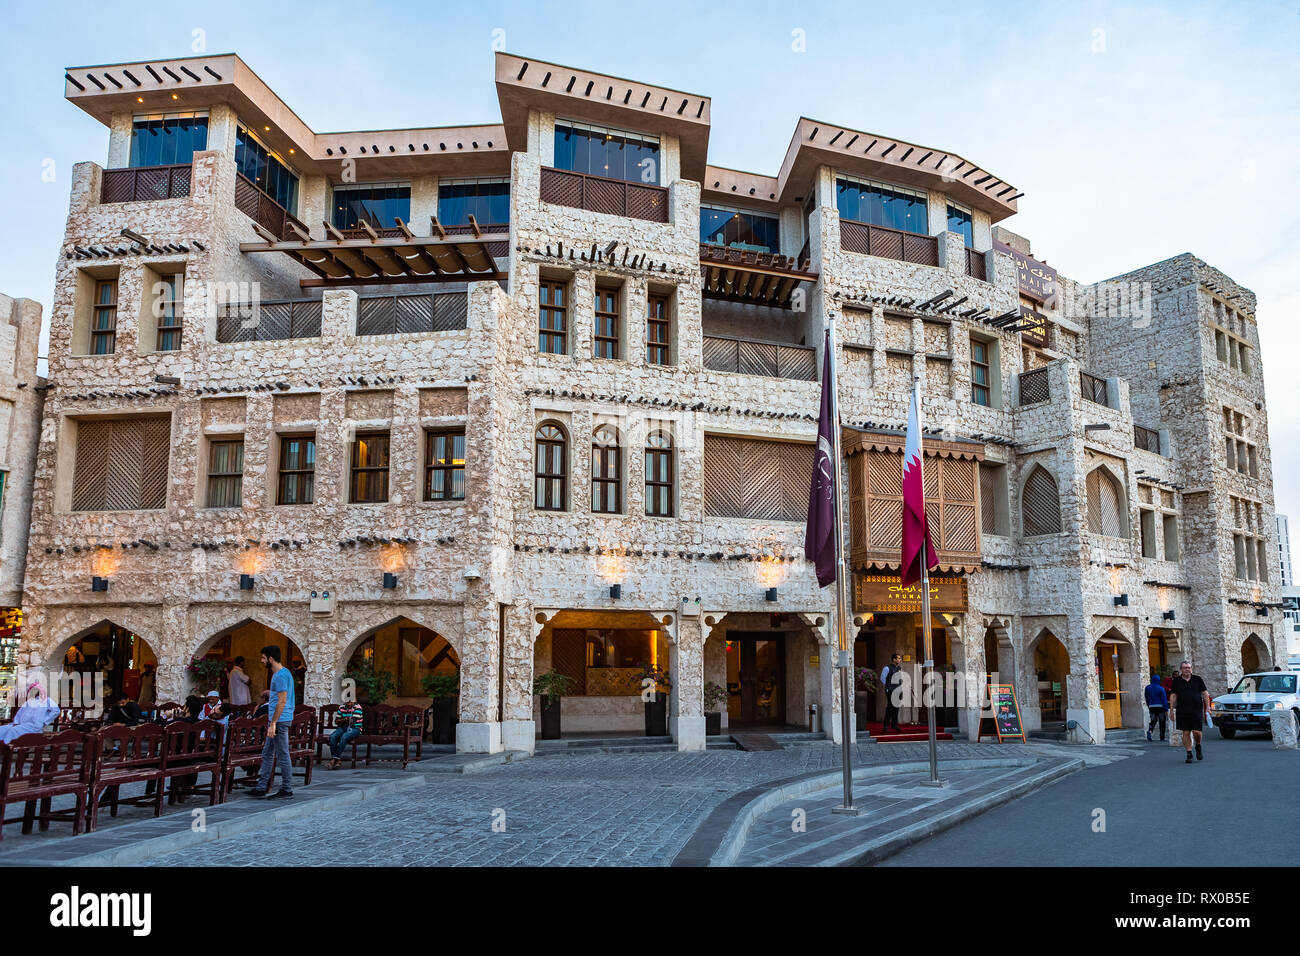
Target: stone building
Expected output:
[539,395]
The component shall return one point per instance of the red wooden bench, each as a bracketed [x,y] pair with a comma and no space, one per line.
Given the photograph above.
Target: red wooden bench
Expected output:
[390,725]
[245,738]
[302,741]
[39,767]
[127,755]
[192,749]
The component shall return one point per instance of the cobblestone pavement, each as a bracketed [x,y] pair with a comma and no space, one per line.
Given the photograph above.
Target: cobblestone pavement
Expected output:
[585,809]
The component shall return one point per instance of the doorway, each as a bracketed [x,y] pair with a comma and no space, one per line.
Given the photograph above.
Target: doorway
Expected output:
[755,679]
[1107,664]
[945,708]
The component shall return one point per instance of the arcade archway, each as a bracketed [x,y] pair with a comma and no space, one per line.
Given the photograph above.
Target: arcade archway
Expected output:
[246,639]
[112,660]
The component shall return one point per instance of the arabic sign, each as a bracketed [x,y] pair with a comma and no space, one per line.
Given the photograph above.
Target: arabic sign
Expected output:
[1035,326]
[1037,279]
[879,593]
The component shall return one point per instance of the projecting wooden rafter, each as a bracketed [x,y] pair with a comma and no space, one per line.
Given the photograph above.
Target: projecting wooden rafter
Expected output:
[759,278]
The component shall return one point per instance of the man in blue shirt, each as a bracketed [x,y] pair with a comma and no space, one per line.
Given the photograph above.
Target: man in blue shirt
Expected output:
[1157,705]
[280,716]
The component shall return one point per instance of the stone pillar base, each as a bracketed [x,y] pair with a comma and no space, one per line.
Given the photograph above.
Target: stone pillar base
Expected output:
[1284,731]
[689,733]
[481,738]
[518,735]
[1092,720]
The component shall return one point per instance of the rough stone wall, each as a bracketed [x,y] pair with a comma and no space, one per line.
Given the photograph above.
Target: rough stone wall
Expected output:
[21,399]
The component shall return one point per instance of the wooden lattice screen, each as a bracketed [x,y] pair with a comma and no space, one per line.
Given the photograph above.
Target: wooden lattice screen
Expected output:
[1105,504]
[121,464]
[989,498]
[569,657]
[1041,504]
[750,478]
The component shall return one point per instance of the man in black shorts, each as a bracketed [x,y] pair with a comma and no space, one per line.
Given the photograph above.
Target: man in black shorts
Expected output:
[1189,699]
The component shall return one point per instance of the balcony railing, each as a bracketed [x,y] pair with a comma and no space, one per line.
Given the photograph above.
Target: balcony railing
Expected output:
[263,210]
[143,183]
[426,312]
[887,243]
[1147,439]
[975,265]
[722,353]
[383,232]
[497,250]
[1094,388]
[614,197]
[269,321]
[1034,387]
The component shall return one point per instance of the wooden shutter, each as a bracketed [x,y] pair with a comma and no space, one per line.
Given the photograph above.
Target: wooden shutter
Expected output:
[1041,505]
[751,478]
[121,464]
[1105,511]
[569,657]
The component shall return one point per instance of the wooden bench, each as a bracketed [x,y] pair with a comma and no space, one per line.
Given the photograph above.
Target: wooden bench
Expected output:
[302,741]
[245,738]
[192,749]
[382,725]
[39,767]
[127,755]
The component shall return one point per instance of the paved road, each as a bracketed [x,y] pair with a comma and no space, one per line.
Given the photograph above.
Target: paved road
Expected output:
[1239,805]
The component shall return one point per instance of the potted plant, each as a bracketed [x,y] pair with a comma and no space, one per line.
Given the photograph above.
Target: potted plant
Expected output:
[445,691]
[377,685]
[865,682]
[715,698]
[656,703]
[206,672]
[550,687]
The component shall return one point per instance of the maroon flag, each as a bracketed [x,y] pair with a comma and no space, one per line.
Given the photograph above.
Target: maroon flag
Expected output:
[819,537]
[915,529]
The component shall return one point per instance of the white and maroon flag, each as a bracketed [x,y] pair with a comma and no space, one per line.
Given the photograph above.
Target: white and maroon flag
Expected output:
[915,531]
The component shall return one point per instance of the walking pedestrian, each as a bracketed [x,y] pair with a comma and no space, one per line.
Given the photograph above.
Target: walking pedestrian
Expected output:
[279,717]
[1189,699]
[891,679]
[1157,705]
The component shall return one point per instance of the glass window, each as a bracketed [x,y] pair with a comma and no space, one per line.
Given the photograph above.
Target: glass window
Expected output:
[612,153]
[1170,529]
[607,323]
[657,328]
[880,204]
[370,468]
[659,475]
[980,377]
[379,204]
[226,474]
[168,138]
[959,221]
[551,468]
[606,472]
[168,309]
[487,200]
[721,226]
[444,466]
[103,328]
[264,168]
[553,317]
[297,483]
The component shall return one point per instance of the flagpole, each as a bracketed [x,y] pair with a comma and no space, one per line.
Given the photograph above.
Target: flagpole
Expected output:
[927,665]
[845,655]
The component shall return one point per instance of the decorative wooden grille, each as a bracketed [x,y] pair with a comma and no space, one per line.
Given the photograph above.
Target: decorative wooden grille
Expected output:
[427,312]
[988,499]
[751,478]
[121,464]
[613,197]
[975,265]
[269,321]
[1034,387]
[1041,504]
[141,183]
[263,210]
[887,243]
[1146,438]
[751,357]
[1105,504]
[1094,388]
[569,657]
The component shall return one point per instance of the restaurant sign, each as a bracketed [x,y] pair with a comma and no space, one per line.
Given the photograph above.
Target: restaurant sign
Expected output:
[881,593]
[1033,326]
[1037,279]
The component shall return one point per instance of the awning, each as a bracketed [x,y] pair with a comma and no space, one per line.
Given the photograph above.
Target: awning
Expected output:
[343,261]
[758,278]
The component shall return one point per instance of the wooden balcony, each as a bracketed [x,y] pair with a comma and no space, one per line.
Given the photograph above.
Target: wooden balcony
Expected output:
[269,321]
[265,211]
[975,267]
[1034,387]
[424,312]
[1094,388]
[613,197]
[886,243]
[1147,439]
[145,183]
[723,353]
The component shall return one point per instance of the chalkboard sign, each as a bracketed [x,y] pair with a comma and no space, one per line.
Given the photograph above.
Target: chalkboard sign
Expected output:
[1005,722]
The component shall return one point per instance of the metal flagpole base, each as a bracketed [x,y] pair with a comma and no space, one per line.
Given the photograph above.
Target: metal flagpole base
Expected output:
[847,811]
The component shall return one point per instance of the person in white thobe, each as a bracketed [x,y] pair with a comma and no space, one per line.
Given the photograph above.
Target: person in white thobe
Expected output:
[33,716]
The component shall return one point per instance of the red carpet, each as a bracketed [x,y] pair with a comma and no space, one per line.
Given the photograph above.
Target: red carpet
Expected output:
[911,733]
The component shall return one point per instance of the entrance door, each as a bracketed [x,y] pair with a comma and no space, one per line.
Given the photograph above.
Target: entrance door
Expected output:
[756,679]
[944,716]
[1108,684]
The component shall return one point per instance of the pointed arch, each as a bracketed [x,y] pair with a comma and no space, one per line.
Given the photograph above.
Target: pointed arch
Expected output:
[1040,503]
[1107,503]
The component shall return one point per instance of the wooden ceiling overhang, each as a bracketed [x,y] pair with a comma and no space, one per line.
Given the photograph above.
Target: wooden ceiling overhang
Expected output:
[340,261]
[754,278]
[857,440]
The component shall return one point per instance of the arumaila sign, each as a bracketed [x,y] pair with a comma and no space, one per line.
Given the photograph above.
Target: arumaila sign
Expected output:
[882,593]
[1037,279]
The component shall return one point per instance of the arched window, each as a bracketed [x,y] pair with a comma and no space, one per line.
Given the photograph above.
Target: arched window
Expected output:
[659,475]
[551,468]
[1106,511]
[606,471]
[1041,505]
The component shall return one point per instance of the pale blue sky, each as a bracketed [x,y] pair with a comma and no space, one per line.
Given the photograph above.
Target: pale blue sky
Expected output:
[1137,131]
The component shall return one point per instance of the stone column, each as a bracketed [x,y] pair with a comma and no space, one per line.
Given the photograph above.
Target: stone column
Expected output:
[1082,686]
[518,729]
[686,664]
[479,730]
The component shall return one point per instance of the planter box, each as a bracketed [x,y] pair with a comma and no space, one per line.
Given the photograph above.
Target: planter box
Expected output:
[550,718]
[656,716]
[443,712]
[713,725]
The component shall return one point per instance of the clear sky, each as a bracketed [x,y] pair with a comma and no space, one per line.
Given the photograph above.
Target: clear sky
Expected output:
[1137,131]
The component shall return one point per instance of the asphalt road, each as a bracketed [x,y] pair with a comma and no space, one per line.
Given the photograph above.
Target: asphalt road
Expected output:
[1238,807]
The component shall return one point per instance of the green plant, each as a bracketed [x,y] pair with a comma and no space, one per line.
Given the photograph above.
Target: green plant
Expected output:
[378,684]
[715,695]
[551,684]
[866,679]
[441,685]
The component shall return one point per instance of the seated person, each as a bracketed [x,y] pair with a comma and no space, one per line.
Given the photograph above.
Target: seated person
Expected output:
[126,712]
[214,709]
[264,705]
[33,716]
[349,728]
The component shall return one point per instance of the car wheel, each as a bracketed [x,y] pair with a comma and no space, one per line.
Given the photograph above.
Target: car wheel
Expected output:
[1296,715]
[1227,733]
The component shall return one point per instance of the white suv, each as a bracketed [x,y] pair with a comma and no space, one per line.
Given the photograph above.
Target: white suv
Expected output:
[1256,701]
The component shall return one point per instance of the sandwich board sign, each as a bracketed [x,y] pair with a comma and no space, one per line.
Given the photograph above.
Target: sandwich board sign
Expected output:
[1006,715]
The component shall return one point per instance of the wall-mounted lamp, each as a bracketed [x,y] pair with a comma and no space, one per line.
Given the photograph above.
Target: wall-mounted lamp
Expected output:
[771,594]
[99,584]
[167,379]
[1096,427]
[1259,609]
[1121,600]
[1168,615]
[390,580]
[246,582]
[615,591]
